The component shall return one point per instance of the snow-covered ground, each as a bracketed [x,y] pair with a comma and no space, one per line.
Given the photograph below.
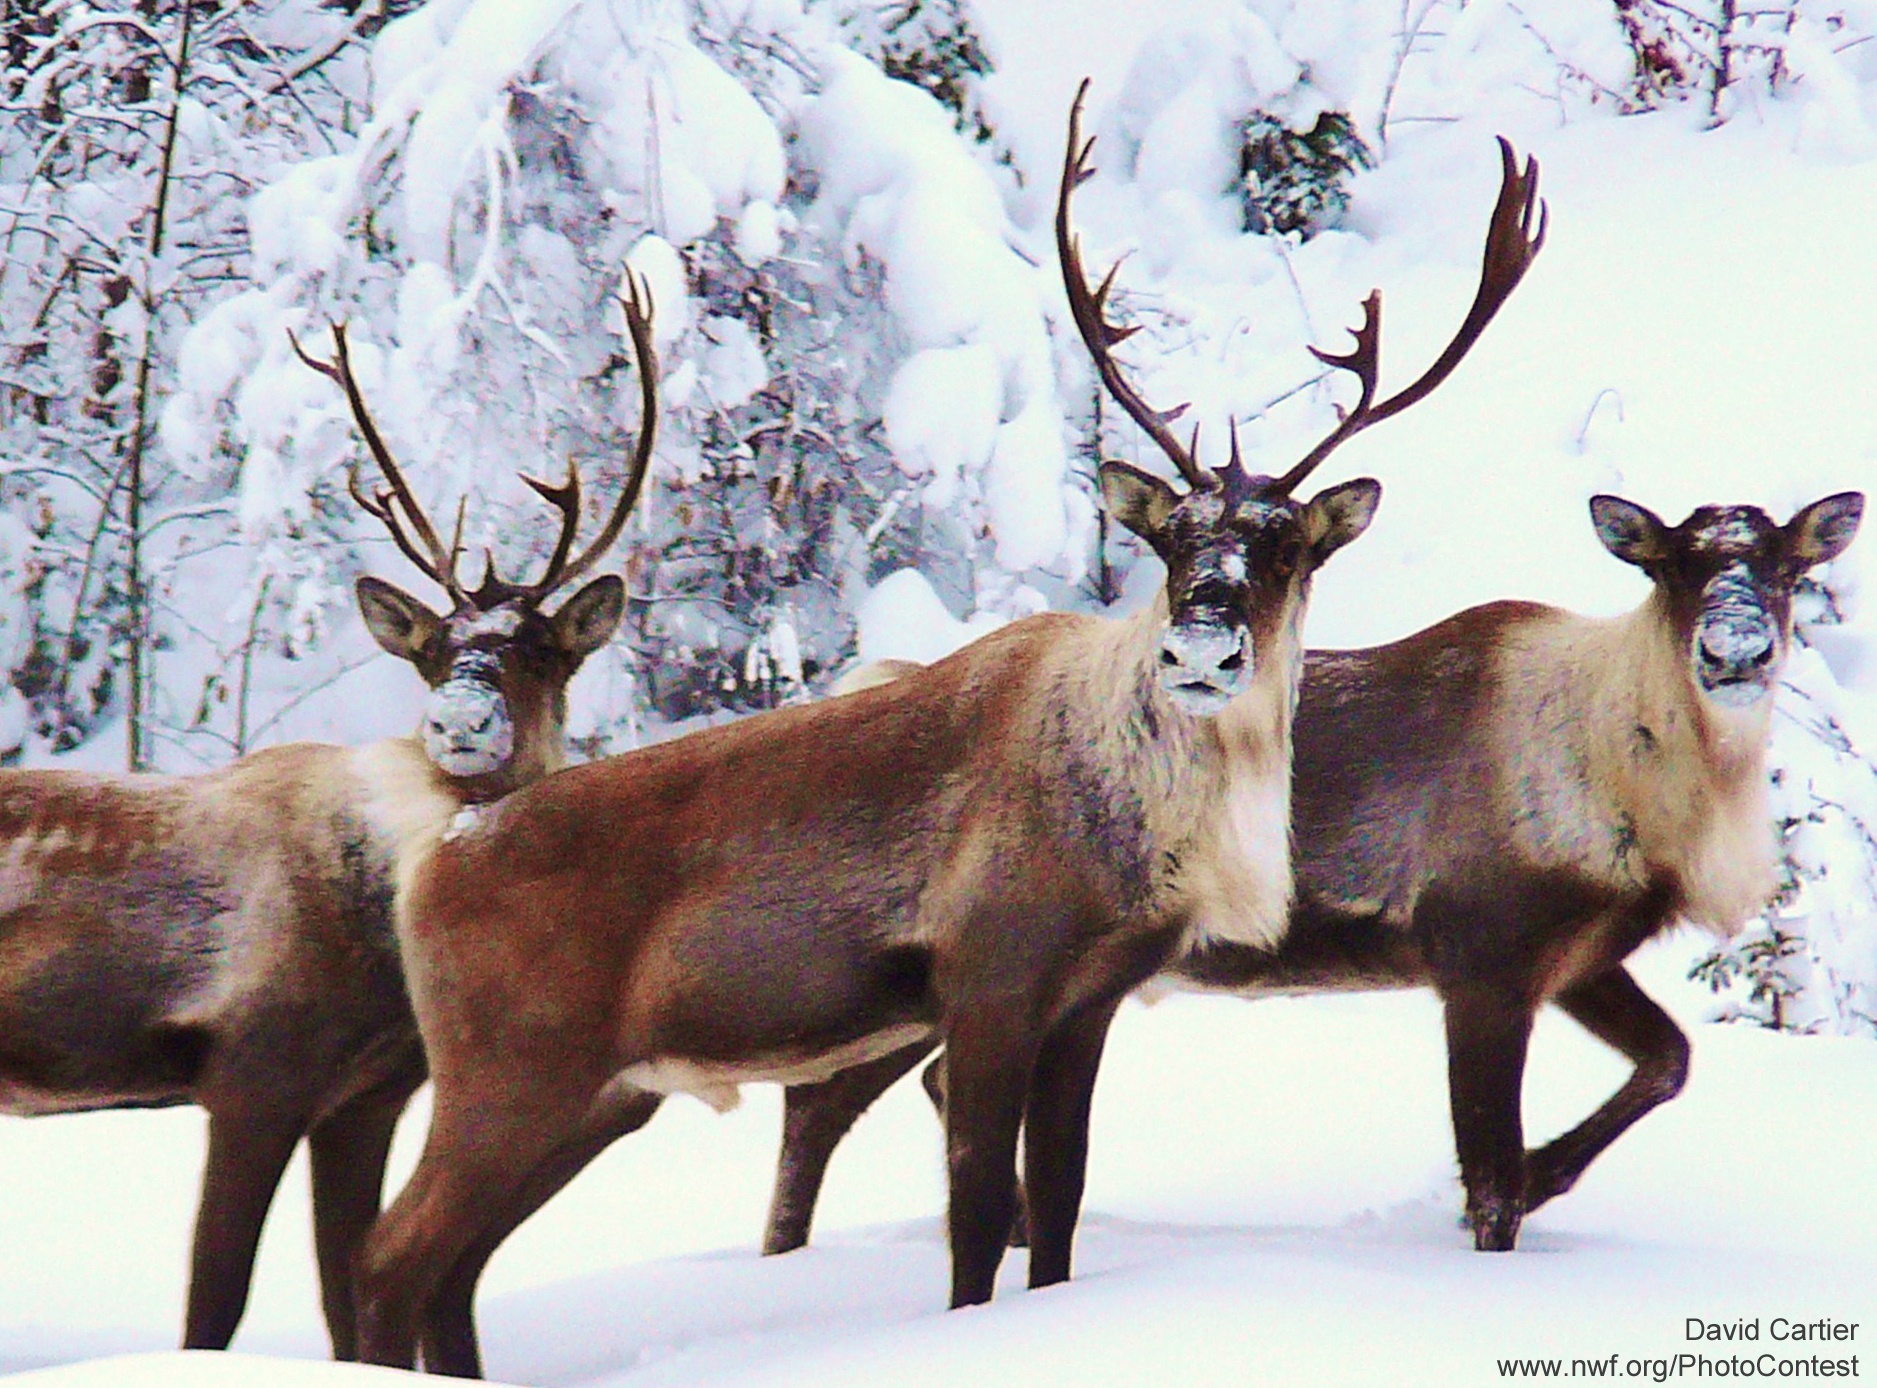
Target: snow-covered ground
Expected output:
[1271,1194]
[1271,1200]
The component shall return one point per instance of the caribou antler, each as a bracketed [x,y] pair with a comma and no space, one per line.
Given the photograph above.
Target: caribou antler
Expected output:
[435,562]
[1511,245]
[440,564]
[565,498]
[1091,311]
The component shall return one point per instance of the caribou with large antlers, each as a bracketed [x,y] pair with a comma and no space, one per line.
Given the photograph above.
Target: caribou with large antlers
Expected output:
[992,851]
[226,939]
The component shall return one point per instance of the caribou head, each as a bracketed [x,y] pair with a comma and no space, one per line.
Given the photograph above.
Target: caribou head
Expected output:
[1236,552]
[497,665]
[1238,548]
[1725,577]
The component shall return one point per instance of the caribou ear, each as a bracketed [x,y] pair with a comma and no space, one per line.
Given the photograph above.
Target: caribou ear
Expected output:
[1139,500]
[1633,533]
[1334,517]
[588,619]
[396,620]
[1825,529]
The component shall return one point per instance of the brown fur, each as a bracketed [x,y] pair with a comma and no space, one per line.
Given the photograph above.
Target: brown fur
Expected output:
[1670,789]
[226,939]
[1228,844]
[1504,807]
[178,883]
[994,849]
[873,672]
[223,940]
[1513,763]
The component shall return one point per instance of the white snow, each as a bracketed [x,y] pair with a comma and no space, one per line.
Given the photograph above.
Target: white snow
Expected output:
[912,199]
[16,573]
[456,95]
[681,127]
[758,232]
[656,260]
[901,618]
[942,416]
[1271,1201]
[733,361]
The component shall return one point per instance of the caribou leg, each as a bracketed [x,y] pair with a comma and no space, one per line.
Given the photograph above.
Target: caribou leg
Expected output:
[448,1329]
[1033,1039]
[247,1154]
[989,1054]
[1055,1138]
[815,1117]
[1488,1030]
[348,1148]
[932,1080]
[1612,1008]
[475,1158]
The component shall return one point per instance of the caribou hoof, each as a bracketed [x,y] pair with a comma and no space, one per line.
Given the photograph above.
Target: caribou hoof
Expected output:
[1495,1224]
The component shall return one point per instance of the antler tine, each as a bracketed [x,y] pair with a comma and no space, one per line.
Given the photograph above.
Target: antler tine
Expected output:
[1511,246]
[1090,309]
[438,566]
[561,570]
[1365,362]
[566,499]
[456,539]
[380,509]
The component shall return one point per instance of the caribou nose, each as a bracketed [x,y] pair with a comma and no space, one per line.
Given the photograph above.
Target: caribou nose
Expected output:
[1737,646]
[1734,660]
[466,727]
[1204,667]
[1202,650]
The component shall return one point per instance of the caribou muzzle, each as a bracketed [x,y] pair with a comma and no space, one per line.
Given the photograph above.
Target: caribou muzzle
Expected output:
[467,728]
[1204,666]
[1736,643]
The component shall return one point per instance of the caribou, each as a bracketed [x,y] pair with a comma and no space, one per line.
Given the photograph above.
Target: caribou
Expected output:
[1503,807]
[226,939]
[992,851]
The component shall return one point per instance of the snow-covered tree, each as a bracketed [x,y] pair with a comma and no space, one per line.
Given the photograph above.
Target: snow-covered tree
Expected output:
[835,299]
[130,139]
[933,44]
[1810,964]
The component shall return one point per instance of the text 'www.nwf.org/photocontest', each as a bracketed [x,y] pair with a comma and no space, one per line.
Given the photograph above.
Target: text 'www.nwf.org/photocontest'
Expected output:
[1795,1351]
